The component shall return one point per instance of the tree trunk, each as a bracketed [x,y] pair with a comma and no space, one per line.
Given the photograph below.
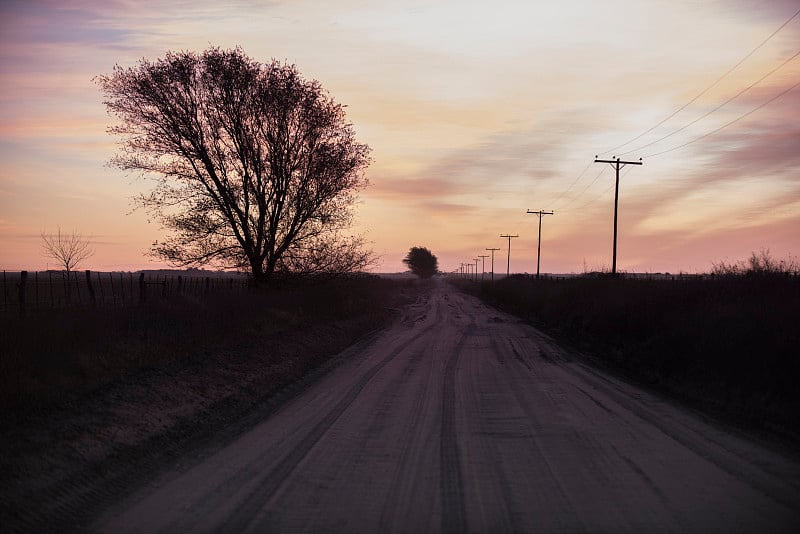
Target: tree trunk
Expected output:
[260,277]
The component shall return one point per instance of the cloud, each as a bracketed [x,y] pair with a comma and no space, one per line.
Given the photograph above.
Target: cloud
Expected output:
[767,144]
[539,158]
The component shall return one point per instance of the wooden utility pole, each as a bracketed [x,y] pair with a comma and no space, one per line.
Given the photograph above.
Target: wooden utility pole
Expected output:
[508,264]
[540,213]
[617,164]
[492,249]
[483,264]
[476,268]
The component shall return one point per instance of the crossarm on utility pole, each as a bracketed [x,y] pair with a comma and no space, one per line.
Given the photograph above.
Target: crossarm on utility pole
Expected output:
[540,213]
[483,264]
[508,264]
[492,249]
[617,164]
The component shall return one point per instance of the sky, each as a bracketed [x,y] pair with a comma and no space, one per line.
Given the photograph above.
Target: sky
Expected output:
[476,112]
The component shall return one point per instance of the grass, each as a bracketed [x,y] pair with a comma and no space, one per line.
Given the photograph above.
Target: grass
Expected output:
[727,343]
[54,354]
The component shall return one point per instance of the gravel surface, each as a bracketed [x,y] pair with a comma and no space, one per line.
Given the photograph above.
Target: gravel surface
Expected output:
[460,418]
[63,465]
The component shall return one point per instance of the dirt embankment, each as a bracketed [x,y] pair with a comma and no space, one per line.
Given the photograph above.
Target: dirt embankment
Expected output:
[64,460]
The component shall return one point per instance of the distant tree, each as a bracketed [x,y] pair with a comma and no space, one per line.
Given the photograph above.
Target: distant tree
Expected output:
[68,250]
[255,167]
[421,262]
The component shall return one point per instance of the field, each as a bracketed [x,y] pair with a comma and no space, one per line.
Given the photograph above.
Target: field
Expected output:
[50,353]
[93,397]
[727,344]
[25,291]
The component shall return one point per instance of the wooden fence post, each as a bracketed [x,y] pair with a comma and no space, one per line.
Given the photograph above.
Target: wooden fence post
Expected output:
[90,287]
[67,287]
[78,288]
[142,291]
[113,293]
[23,278]
[102,293]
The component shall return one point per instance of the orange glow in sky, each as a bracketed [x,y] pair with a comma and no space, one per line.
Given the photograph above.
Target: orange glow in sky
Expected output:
[476,112]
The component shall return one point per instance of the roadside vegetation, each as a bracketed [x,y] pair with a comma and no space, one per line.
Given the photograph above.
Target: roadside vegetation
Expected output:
[726,342]
[55,354]
[95,400]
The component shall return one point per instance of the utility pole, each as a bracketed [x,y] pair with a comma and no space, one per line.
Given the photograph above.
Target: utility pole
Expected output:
[476,267]
[483,264]
[617,164]
[508,264]
[493,249]
[540,213]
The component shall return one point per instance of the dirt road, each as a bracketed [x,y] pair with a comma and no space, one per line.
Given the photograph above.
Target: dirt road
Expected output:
[460,418]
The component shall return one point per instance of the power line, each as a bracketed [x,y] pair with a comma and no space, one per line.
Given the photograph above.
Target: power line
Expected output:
[601,195]
[737,95]
[737,119]
[576,197]
[704,91]
[575,181]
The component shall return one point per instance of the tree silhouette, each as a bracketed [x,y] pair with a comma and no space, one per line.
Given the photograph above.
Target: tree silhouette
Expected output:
[68,250]
[255,167]
[421,262]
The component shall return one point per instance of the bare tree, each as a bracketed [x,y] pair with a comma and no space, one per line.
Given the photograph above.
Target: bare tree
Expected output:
[255,167]
[68,250]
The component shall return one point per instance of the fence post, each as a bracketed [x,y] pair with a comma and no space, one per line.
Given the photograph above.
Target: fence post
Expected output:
[5,292]
[67,287]
[102,293]
[50,283]
[113,293]
[23,279]
[90,287]
[142,292]
[78,288]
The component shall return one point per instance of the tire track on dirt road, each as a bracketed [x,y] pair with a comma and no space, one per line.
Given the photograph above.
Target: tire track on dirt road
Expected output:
[460,418]
[240,519]
[452,485]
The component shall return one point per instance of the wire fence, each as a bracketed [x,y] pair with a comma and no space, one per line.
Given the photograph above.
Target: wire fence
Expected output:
[23,291]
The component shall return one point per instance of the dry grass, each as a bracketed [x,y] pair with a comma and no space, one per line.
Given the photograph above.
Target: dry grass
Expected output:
[56,353]
[727,343]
